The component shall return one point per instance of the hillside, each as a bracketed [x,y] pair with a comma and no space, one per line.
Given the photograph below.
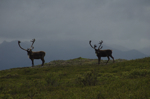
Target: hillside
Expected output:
[78,78]
[11,56]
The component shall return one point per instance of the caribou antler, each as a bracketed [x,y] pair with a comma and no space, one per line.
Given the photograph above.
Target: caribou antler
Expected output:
[33,40]
[91,45]
[20,46]
[100,45]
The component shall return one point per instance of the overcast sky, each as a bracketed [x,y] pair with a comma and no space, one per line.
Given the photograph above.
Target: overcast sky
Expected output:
[121,22]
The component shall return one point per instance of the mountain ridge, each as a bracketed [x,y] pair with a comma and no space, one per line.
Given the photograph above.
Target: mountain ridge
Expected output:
[12,56]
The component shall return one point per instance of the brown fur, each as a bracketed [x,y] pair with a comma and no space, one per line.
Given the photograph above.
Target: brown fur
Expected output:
[102,53]
[34,55]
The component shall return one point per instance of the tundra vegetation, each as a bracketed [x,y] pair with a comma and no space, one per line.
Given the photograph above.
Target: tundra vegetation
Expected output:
[78,78]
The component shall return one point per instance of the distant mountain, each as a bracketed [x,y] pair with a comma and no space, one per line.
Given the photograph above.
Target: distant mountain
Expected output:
[131,54]
[146,50]
[119,47]
[11,56]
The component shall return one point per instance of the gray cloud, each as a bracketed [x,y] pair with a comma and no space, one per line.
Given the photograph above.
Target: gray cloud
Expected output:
[115,21]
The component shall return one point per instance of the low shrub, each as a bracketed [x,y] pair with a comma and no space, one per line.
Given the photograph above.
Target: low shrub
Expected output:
[88,79]
[52,79]
[137,73]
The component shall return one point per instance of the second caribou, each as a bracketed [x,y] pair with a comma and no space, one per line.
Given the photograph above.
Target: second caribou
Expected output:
[102,53]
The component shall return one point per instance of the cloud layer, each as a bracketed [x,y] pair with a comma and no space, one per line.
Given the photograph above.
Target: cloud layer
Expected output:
[121,22]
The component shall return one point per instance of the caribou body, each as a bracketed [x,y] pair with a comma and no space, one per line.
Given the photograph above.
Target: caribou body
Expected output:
[34,55]
[102,53]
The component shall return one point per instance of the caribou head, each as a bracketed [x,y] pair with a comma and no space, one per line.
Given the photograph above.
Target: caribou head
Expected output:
[29,50]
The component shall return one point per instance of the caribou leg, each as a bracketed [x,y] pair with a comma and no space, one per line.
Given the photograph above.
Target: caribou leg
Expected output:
[99,60]
[43,61]
[32,62]
[112,58]
[108,59]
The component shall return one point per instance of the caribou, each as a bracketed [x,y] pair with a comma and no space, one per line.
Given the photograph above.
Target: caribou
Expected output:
[34,55]
[102,53]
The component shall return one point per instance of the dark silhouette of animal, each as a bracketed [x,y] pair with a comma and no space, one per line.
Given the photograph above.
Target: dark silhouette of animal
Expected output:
[34,55]
[102,53]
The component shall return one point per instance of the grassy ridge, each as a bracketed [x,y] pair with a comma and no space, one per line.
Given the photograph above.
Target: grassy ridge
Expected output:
[78,79]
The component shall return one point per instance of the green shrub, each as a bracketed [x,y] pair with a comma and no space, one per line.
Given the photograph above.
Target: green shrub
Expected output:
[137,73]
[10,76]
[52,79]
[88,79]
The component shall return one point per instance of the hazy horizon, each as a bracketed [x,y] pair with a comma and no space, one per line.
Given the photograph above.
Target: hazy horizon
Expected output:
[116,22]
